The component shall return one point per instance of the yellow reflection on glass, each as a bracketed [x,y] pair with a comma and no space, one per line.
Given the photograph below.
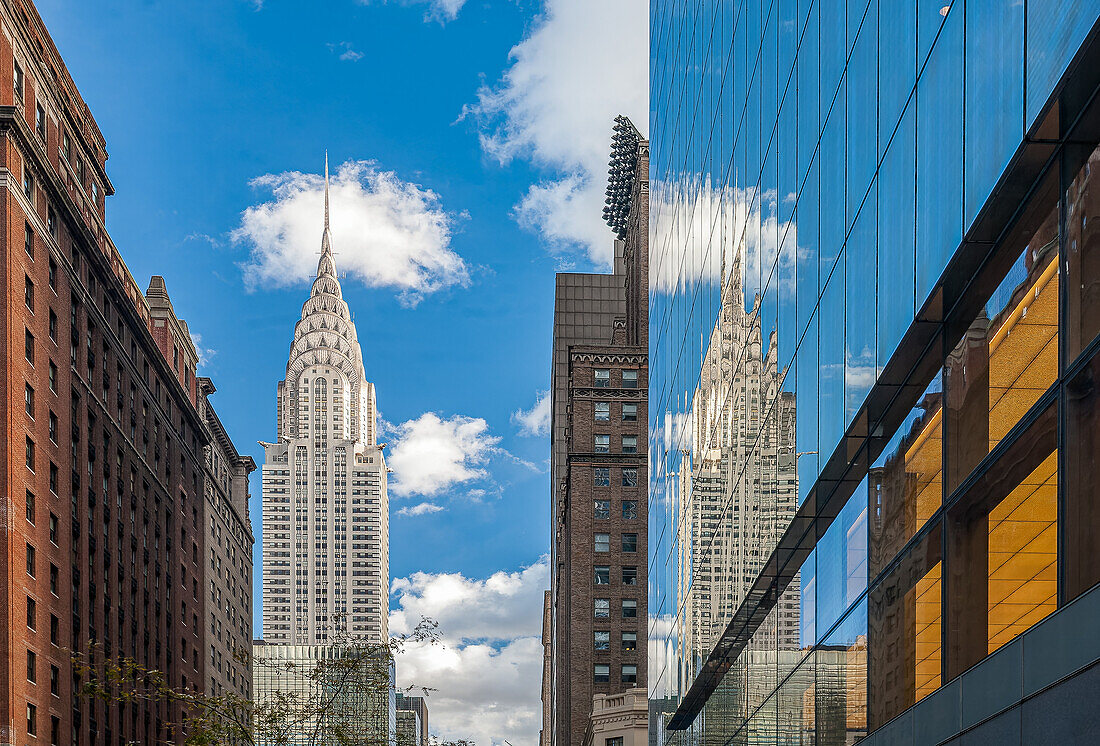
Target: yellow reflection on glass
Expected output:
[1023,555]
[929,642]
[924,467]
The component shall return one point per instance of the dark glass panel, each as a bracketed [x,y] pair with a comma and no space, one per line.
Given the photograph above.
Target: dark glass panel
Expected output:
[1082,465]
[1082,264]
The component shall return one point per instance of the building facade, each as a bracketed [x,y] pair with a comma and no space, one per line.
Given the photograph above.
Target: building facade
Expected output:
[597,600]
[325,499]
[102,465]
[413,725]
[873,363]
[229,541]
[619,719]
[315,692]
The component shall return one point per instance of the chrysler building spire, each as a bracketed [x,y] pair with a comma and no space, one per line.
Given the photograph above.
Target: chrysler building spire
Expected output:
[326,267]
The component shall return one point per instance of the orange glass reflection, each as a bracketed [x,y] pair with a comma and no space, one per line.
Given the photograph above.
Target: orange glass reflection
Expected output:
[929,643]
[1023,555]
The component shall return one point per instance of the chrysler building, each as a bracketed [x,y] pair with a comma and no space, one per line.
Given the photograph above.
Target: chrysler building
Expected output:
[325,502]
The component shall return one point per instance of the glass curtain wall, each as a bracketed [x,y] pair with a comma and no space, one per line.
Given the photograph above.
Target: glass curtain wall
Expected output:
[816,167]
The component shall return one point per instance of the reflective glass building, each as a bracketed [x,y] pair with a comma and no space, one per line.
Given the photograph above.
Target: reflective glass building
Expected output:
[874,418]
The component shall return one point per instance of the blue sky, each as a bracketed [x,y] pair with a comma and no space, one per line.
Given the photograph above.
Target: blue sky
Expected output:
[481,127]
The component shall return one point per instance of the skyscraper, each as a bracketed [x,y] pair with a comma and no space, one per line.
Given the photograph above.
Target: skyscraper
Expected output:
[597,604]
[325,502]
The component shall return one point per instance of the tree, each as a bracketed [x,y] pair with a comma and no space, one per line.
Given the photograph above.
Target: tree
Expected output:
[339,694]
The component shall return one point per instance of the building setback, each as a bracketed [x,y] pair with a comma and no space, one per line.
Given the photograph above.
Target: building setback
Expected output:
[597,615]
[102,467]
[325,500]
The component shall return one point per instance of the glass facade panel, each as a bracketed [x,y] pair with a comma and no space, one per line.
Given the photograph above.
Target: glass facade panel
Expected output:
[842,355]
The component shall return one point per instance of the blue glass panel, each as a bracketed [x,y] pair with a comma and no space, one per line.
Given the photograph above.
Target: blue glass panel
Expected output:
[1055,31]
[898,69]
[939,155]
[896,233]
[807,286]
[862,80]
[806,412]
[842,562]
[860,258]
[831,353]
[994,94]
[808,97]
[833,47]
[832,187]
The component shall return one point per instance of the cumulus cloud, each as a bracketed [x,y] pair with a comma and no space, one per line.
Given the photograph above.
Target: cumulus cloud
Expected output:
[432,454]
[555,106]
[386,232]
[491,653]
[206,354]
[535,421]
[420,509]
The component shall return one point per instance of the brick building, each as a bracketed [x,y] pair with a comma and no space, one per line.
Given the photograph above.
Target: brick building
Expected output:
[101,473]
[599,447]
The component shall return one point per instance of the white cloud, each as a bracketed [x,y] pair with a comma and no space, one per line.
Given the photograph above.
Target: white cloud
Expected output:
[386,232]
[432,454]
[345,52]
[437,10]
[486,677]
[420,509]
[582,64]
[536,420]
[662,656]
[206,355]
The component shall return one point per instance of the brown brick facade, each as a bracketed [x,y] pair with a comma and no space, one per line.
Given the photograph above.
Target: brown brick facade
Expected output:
[101,472]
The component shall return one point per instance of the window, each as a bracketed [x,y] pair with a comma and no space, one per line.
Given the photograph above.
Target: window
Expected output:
[53,325]
[40,121]
[630,478]
[603,542]
[30,507]
[51,222]
[53,579]
[630,608]
[630,413]
[630,444]
[602,641]
[630,641]
[630,576]
[55,730]
[30,560]
[17,81]
[603,378]
[67,146]
[32,720]
[28,346]
[28,185]
[602,510]
[601,673]
[603,442]
[28,400]
[32,667]
[53,529]
[53,479]
[602,575]
[53,426]
[630,379]
[630,542]
[616,741]
[601,476]
[32,613]
[28,293]
[28,240]
[30,454]
[630,673]
[603,409]
[53,271]
[55,630]
[630,509]
[55,681]
[602,608]
[53,377]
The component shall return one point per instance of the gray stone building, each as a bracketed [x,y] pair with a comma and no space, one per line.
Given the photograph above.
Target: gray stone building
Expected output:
[229,541]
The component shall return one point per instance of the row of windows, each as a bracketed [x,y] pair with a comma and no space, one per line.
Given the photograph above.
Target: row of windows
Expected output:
[603,444]
[603,542]
[603,378]
[602,673]
[602,509]
[601,477]
[601,574]
[602,412]
[602,608]
[628,641]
